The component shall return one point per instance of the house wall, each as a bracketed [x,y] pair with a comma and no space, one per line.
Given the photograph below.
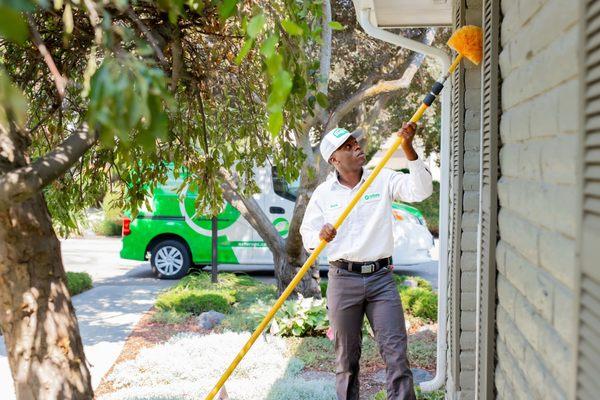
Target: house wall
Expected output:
[470,204]
[537,197]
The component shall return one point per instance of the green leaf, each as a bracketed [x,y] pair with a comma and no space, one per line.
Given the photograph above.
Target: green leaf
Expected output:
[68,19]
[12,102]
[291,27]
[322,100]
[255,25]
[196,5]
[275,123]
[274,64]
[248,43]
[280,90]
[336,26]
[268,47]
[299,85]
[227,8]
[12,25]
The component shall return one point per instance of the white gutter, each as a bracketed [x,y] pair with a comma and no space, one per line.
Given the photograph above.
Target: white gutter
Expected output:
[364,10]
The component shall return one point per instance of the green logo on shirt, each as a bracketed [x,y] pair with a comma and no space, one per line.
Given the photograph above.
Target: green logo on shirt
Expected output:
[372,196]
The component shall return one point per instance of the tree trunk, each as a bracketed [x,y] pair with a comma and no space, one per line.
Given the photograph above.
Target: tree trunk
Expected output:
[286,270]
[36,315]
[285,265]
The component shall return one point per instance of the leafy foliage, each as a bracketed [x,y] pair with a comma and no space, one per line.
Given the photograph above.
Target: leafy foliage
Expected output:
[78,282]
[112,222]
[419,302]
[195,294]
[301,317]
[196,302]
[216,110]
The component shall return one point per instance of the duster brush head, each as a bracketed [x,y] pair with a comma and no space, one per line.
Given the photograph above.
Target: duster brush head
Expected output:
[468,41]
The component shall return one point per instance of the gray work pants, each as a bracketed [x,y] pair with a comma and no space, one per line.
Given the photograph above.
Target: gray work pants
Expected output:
[349,297]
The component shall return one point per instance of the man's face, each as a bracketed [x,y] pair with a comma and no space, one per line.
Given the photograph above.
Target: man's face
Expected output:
[349,156]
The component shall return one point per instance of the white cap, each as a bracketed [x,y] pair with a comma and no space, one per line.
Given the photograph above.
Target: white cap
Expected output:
[334,139]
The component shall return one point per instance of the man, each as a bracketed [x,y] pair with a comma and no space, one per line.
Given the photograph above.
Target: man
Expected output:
[360,277]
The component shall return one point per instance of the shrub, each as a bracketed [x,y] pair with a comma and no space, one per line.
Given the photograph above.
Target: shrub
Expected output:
[421,282]
[108,227]
[195,293]
[112,223]
[420,302]
[301,317]
[78,282]
[195,301]
[426,306]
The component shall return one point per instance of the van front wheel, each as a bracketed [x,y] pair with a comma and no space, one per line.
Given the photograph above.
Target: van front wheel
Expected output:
[170,259]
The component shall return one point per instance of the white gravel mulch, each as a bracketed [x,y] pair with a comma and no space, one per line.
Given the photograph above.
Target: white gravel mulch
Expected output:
[188,365]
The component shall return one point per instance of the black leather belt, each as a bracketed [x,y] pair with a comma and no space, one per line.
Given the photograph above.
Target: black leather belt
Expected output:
[362,267]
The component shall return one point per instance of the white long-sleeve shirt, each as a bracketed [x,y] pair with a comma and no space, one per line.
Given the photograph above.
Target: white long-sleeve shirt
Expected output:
[366,234]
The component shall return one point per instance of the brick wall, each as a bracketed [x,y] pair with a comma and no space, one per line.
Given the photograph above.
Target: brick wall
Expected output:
[537,194]
[472,126]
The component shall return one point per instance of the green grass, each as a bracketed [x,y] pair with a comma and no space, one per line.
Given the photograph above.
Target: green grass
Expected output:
[315,352]
[430,208]
[78,282]
[435,395]
[169,317]
[422,351]
[254,302]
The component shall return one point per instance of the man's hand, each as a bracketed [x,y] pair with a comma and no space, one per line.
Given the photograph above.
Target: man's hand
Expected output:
[408,133]
[327,233]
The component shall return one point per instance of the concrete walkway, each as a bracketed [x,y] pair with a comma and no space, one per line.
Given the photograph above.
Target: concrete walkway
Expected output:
[108,312]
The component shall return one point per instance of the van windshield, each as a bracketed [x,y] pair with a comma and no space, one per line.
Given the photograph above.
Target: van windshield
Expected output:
[284,189]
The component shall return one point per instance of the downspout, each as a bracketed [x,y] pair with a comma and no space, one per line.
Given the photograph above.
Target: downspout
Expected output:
[364,10]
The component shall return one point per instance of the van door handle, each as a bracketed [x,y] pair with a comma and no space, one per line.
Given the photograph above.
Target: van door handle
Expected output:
[276,210]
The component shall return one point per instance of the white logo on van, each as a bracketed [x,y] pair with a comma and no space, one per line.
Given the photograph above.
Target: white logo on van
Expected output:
[192,224]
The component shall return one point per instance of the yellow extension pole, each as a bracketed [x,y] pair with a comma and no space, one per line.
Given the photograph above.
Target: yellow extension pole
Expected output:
[313,257]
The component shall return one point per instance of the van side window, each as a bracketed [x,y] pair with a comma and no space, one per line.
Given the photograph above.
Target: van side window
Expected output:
[282,188]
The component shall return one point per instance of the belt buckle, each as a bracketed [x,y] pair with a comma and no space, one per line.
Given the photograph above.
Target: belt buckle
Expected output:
[367,268]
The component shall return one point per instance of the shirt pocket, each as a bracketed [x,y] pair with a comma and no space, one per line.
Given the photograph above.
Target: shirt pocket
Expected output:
[368,206]
[332,212]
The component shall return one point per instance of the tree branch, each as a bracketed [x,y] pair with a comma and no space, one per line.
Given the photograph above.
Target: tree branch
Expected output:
[251,211]
[59,80]
[382,87]
[144,29]
[176,57]
[325,56]
[20,184]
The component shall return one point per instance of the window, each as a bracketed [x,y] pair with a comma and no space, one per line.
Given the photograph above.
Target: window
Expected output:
[284,189]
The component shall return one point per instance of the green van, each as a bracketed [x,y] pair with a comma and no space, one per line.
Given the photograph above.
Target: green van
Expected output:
[173,239]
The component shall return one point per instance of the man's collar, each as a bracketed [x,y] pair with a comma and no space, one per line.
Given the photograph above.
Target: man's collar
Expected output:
[335,178]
